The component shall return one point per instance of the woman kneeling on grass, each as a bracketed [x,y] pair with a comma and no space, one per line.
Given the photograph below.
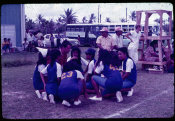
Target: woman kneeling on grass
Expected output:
[112,82]
[53,71]
[129,72]
[72,83]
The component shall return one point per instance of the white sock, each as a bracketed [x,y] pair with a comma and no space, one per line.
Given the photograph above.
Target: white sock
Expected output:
[44,96]
[38,93]
[51,98]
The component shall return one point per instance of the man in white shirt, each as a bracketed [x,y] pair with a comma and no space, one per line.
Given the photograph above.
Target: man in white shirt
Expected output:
[118,37]
[134,36]
[105,41]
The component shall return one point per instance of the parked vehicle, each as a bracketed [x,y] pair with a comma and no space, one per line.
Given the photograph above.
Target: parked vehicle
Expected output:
[47,42]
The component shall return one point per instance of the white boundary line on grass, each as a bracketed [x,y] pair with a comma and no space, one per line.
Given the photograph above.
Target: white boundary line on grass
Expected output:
[134,106]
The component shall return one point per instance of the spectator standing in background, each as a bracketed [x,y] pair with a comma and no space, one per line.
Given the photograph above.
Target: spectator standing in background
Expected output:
[118,37]
[134,36]
[52,40]
[40,42]
[25,44]
[105,41]
[58,40]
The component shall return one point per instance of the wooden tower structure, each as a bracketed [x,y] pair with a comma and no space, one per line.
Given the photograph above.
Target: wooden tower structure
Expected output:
[160,36]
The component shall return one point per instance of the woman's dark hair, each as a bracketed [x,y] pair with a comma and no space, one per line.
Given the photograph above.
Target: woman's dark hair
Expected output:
[114,59]
[41,59]
[124,50]
[154,42]
[54,55]
[75,48]
[72,65]
[103,56]
[65,43]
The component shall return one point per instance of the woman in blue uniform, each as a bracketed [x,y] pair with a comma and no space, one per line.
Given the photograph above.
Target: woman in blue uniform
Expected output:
[112,80]
[76,54]
[129,72]
[53,71]
[90,55]
[72,83]
[37,81]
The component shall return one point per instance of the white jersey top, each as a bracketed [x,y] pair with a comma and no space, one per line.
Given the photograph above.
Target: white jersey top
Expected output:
[118,40]
[79,74]
[135,37]
[129,65]
[83,61]
[59,71]
[91,67]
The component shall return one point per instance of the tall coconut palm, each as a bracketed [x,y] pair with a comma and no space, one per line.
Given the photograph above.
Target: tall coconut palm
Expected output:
[133,16]
[69,16]
[123,20]
[84,20]
[92,18]
[39,17]
[108,19]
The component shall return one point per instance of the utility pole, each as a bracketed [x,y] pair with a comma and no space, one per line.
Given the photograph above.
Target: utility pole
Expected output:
[126,14]
[100,18]
[98,13]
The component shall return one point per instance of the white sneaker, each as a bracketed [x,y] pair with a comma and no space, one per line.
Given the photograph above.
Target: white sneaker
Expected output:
[119,96]
[44,96]
[38,93]
[66,103]
[51,98]
[96,98]
[130,93]
[77,102]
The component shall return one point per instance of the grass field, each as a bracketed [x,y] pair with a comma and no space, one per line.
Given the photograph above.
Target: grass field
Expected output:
[153,96]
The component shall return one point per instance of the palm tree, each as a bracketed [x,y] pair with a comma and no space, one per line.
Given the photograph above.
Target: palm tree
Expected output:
[69,16]
[108,19]
[84,20]
[30,24]
[123,20]
[40,17]
[92,18]
[133,16]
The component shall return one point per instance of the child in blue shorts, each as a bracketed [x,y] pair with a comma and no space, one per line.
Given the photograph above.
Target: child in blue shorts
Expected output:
[53,71]
[72,83]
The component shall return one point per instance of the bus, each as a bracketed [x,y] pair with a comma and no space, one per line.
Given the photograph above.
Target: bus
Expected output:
[89,32]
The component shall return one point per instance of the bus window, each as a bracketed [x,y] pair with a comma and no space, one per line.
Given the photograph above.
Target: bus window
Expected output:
[72,29]
[68,29]
[125,28]
[97,28]
[81,29]
[93,28]
[111,28]
[118,25]
[76,29]
[131,27]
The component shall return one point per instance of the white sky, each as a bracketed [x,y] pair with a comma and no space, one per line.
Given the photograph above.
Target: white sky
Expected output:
[115,11]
